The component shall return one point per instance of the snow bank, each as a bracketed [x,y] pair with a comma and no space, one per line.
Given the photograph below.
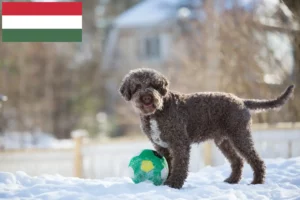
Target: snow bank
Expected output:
[283,182]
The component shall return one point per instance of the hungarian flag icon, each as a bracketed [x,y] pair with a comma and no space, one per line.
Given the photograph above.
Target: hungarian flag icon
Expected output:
[41,21]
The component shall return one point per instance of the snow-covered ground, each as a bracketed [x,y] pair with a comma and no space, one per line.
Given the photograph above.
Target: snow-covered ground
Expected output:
[283,182]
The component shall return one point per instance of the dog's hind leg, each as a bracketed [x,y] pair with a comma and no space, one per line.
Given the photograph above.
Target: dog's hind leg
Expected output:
[235,160]
[243,143]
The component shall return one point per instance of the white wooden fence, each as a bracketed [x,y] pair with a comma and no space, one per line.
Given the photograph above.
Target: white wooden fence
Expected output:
[107,160]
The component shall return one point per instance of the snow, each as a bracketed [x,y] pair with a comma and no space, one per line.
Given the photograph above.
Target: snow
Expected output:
[35,139]
[282,182]
[79,133]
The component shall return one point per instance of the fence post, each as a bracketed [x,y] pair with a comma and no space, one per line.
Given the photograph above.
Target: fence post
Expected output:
[290,149]
[78,136]
[207,153]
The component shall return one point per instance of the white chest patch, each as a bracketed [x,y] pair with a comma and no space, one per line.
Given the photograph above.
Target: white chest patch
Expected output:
[155,134]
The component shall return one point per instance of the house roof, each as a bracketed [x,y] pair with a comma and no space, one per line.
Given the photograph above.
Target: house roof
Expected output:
[147,13]
[154,12]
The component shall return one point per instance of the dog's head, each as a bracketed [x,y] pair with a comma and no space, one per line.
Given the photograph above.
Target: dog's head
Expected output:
[145,88]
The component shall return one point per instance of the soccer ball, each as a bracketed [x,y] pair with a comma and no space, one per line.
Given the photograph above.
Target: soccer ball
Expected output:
[149,166]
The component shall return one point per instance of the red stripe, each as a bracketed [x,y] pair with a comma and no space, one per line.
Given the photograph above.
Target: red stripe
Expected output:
[41,8]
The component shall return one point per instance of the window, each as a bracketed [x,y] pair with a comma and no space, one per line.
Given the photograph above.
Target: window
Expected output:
[151,48]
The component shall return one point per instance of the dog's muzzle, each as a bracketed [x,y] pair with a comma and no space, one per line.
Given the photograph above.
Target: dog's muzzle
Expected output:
[147,99]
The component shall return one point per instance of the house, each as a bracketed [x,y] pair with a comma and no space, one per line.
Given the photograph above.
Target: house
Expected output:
[149,28]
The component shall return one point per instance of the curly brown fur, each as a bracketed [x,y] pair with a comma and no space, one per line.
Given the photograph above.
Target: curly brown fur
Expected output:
[173,121]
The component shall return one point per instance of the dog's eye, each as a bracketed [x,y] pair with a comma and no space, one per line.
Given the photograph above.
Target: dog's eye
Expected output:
[154,86]
[137,87]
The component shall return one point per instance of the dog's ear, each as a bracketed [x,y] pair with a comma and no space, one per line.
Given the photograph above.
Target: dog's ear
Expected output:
[164,84]
[125,89]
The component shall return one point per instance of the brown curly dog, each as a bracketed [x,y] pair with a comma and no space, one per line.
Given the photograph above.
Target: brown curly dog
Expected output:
[173,121]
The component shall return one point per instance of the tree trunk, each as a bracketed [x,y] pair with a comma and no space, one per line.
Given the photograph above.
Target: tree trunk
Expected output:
[296,75]
[294,6]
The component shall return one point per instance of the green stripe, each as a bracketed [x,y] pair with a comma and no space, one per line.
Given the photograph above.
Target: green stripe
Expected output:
[41,35]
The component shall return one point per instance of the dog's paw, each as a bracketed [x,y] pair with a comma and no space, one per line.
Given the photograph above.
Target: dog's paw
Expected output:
[232,180]
[258,181]
[173,184]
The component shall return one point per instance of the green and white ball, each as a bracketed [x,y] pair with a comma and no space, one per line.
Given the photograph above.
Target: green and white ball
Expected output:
[149,166]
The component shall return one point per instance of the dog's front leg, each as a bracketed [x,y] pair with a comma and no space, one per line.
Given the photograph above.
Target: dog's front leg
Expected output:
[180,153]
[166,153]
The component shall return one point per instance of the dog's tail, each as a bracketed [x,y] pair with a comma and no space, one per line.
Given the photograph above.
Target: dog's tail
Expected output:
[261,105]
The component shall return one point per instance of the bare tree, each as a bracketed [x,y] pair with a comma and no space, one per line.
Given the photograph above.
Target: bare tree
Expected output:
[294,6]
[229,52]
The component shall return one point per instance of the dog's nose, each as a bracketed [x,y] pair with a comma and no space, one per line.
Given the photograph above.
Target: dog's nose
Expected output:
[147,99]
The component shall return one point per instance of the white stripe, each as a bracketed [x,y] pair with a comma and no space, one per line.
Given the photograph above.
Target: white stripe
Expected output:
[41,22]
[155,134]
